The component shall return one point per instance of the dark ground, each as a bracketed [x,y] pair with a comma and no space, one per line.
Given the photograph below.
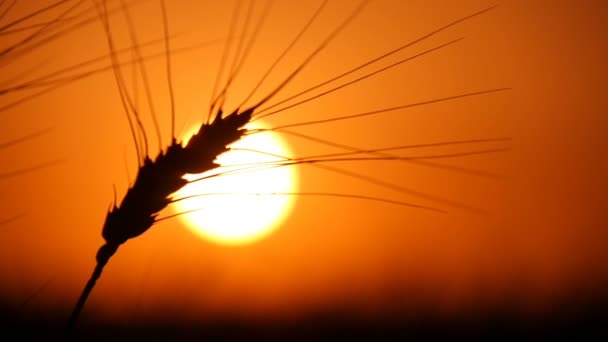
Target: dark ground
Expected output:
[581,320]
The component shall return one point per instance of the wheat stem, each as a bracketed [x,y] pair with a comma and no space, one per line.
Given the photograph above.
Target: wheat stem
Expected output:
[103,256]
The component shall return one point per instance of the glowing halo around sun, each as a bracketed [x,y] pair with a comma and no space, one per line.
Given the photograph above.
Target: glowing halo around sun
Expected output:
[245,203]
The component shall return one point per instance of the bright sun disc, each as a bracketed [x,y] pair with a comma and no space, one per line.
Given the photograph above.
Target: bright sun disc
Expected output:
[250,201]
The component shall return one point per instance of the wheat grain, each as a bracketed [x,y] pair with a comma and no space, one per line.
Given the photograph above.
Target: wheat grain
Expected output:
[159,177]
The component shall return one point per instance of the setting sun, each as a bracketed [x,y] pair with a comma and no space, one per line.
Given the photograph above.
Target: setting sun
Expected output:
[246,198]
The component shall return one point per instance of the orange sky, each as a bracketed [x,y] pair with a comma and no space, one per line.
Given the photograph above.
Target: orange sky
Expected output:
[540,243]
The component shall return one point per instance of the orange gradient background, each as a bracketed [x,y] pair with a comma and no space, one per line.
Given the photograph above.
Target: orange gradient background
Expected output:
[540,243]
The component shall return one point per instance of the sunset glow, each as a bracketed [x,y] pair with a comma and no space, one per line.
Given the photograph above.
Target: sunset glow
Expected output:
[515,175]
